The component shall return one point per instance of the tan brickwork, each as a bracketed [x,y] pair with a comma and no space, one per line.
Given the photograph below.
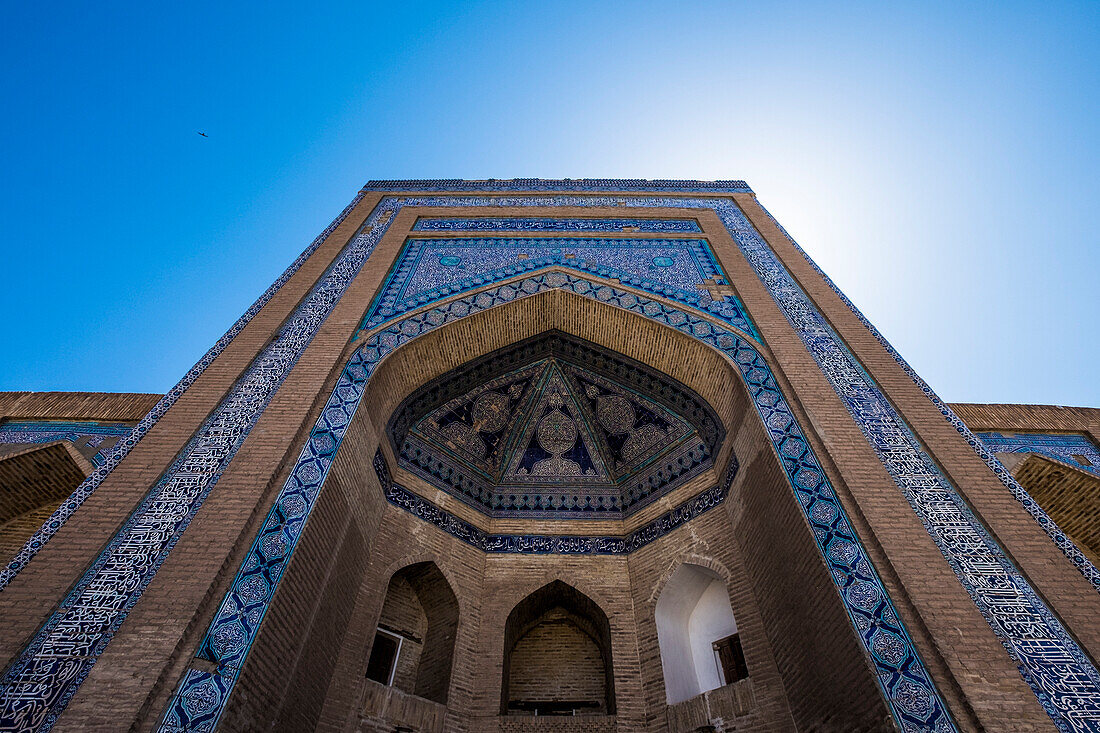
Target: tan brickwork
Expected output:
[557,661]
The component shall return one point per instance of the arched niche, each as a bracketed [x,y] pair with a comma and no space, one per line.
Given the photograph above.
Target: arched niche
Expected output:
[557,655]
[413,647]
[697,634]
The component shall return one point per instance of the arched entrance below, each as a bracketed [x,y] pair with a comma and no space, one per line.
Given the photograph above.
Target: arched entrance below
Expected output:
[413,647]
[557,655]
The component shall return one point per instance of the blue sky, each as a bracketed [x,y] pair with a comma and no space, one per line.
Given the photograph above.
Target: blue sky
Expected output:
[937,160]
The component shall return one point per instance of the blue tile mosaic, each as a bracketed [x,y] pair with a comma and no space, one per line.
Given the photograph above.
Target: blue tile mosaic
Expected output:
[1069,448]
[527,544]
[1064,680]
[47,431]
[431,269]
[547,224]
[1064,543]
[38,685]
[907,687]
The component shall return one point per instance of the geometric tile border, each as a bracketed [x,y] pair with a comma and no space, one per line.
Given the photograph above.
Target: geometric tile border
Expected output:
[529,544]
[587,185]
[1064,680]
[46,431]
[1064,447]
[420,275]
[125,445]
[1064,543]
[559,224]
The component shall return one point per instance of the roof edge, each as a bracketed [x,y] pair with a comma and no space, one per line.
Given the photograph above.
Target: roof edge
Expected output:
[595,185]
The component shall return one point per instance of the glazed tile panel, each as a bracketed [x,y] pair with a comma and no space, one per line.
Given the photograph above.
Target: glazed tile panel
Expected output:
[38,685]
[47,431]
[589,185]
[546,224]
[1066,447]
[906,685]
[491,447]
[431,269]
[529,544]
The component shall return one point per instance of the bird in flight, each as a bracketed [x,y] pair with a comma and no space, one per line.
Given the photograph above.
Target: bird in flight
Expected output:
[204,134]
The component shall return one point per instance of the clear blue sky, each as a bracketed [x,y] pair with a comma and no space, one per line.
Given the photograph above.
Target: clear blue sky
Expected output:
[939,160]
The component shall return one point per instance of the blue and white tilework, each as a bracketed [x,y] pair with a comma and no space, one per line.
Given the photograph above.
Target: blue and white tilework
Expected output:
[588,185]
[906,685]
[431,269]
[547,224]
[1065,681]
[1066,447]
[39,684]
[551,544]
[47,431]
[480,432]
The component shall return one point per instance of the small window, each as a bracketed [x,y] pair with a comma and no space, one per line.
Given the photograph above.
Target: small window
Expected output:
[731,658]
[383,657]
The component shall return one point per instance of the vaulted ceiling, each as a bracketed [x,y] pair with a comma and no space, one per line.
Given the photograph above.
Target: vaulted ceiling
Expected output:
[555,425]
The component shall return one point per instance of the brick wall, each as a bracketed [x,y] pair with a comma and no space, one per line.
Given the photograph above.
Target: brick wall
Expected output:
[34,480]
[557,661]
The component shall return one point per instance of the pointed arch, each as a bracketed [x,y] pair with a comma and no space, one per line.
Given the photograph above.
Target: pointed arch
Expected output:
[557,655]
[415,637]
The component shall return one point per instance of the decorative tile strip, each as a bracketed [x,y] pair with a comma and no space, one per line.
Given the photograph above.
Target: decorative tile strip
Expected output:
[547,224]
[682,269]
[1063,542]
[47,431]
[594,185]
[525,544]
[1062,677]
[907,687]
[40,683]
[1066,447]
[125,445]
